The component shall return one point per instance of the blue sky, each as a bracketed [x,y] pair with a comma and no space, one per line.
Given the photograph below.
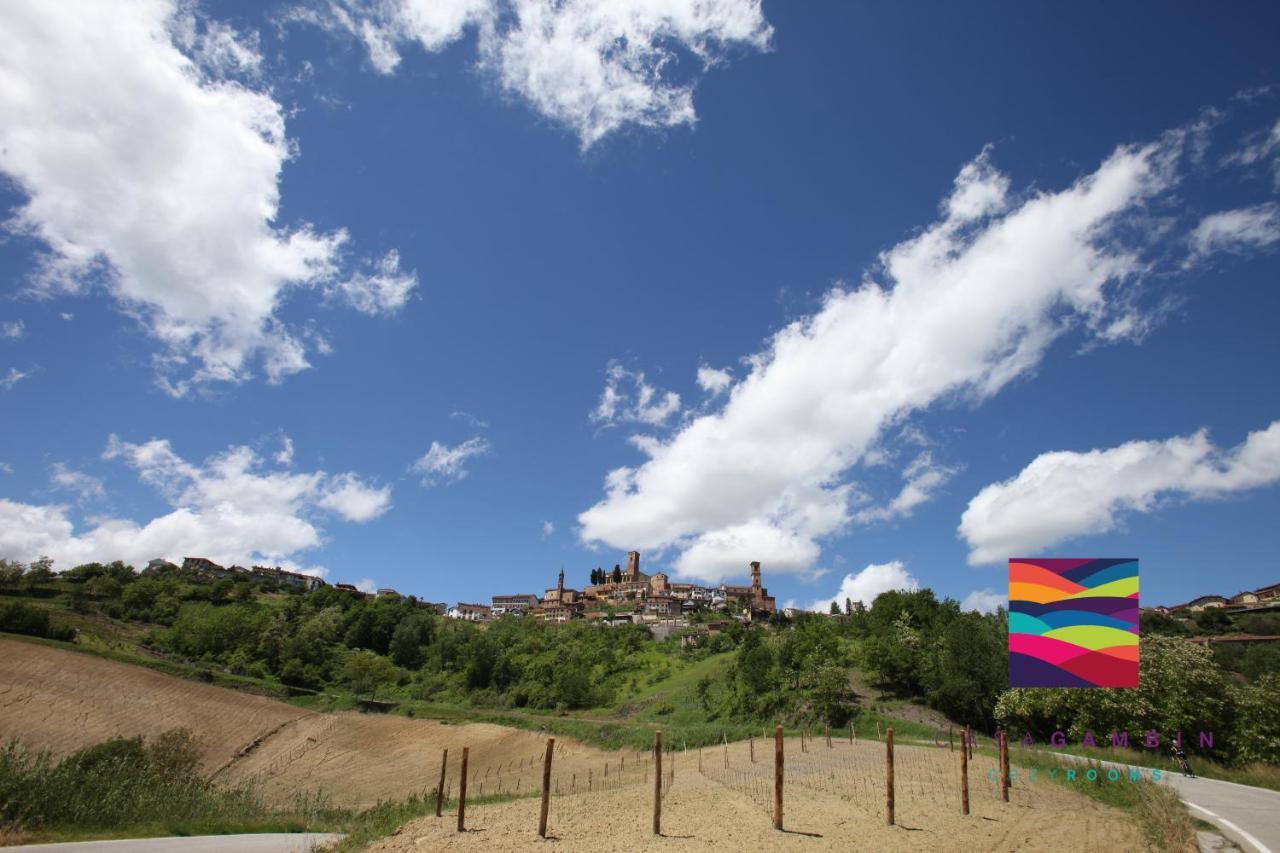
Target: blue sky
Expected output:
[389,290]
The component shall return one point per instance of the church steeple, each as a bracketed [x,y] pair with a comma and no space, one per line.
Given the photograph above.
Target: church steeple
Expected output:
[560,584]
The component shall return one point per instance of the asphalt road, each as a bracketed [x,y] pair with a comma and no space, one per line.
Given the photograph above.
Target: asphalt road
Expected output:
[1248,816]
[267,842]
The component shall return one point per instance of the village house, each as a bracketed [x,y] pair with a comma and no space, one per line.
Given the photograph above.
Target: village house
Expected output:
[517,605]
[470,612]
[755,598]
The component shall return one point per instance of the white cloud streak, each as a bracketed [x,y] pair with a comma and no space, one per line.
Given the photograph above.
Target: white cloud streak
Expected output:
[629,398]
[1064,494]
[84,485]
[984,601]
[442,464]
[962,308]
[12,329]
[148,174]
[714,380]
[1237,231]
[12,378]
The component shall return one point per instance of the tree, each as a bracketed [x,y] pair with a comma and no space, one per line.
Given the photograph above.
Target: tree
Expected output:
[848,606]
[835,609]
[364,671]
[617,574]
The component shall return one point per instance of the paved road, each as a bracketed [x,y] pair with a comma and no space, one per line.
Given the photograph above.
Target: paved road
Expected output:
[279,842]
[1248,816]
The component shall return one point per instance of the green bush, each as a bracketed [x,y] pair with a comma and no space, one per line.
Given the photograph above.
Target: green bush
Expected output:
[18,617]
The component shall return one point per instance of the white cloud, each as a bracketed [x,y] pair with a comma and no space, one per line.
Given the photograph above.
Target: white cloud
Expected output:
[225,508]
[351,499]
[186,238]
[284,456]
[383,289]
[84,485]
[547,529]
[714,381]
[967,305]
[444,464]
[1237,230]
[591,65]
[1064,494]
[6,468]
[1261,146]
[868,583]
[12,378]
[67,315]
[628,398]
[366,585]
[469,418]
[984,601]
[923,478]
[12,329]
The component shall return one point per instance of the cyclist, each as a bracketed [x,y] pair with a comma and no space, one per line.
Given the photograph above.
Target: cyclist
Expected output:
[1180,756]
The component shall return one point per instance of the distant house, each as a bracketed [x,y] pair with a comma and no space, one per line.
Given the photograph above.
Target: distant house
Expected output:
[276,574]
[351,590]
[1204,602]
[440,608]
[513,604]
[470,612]
[385,591]
[1267,594]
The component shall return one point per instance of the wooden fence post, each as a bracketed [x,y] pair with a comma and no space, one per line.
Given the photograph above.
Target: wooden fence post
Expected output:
[777,777]
[851,731]
[951,738]
[657,783]
[888,774]
[964,773]
[828,735]
[699,759]
[546,788]
[1004,766]
[752,743]
[444,763]
[462,792]
[725,738]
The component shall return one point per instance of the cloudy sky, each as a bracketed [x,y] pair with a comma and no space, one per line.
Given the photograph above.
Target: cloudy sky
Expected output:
[446,295]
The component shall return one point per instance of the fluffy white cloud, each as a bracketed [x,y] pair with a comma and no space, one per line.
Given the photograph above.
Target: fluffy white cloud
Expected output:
[366,585]
[444,464]
[1259,148]
[1237,230]
[284,456]
[12,378]
[226,508]
[961,308]
[12,329]
[84,485]
[713,380]
[628,398]
[984,601]
[591,65]
[1065,494]
[868,583]
[185,237]
[547,529]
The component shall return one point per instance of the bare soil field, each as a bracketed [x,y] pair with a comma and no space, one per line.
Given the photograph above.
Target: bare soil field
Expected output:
[61,700]
[834,800]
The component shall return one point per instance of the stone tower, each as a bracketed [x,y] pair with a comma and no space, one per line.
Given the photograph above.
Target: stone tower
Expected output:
[633,565]
[560,585]
[755,579]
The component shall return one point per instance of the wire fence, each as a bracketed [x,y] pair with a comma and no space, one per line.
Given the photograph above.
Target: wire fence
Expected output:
[925,778]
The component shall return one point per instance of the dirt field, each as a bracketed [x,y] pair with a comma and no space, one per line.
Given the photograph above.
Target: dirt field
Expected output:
[64,700]
[834,800]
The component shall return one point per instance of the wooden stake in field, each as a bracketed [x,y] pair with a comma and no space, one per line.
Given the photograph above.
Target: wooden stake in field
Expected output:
[752,743]
[444,763]
[777,778]
[951,738]
[725,738]
[1004,766]
[851,731]
[462,792]
[699,759]
[964,773]
[888,774]
[546,788]
[657,783]
[828,735]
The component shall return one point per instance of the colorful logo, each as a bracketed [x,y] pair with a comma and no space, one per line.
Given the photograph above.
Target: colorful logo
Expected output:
[1073,623]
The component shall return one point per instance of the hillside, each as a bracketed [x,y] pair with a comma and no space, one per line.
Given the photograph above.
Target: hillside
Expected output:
[63,701]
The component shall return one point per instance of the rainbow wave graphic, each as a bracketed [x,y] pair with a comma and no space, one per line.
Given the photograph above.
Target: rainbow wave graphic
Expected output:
[1073,623]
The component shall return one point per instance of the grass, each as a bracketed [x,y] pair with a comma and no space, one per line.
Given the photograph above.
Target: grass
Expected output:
[385,819]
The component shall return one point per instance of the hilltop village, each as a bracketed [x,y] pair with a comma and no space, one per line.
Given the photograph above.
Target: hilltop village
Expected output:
[616,596]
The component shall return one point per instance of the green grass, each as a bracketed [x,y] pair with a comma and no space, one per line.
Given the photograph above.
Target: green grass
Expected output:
[1258,775]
